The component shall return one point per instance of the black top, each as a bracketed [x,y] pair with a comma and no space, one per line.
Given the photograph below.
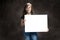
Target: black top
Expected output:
[22,17]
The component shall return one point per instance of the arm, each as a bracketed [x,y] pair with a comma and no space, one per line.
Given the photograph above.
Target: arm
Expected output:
[22,22]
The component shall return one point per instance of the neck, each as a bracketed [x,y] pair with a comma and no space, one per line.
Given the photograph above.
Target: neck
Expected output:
[29,13]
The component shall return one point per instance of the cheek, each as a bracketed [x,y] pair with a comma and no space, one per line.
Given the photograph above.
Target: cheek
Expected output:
[26,9]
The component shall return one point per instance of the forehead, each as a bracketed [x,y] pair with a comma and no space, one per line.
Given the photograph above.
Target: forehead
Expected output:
[29,4]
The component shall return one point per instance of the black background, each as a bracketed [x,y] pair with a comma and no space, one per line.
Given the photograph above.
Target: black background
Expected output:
[11,10]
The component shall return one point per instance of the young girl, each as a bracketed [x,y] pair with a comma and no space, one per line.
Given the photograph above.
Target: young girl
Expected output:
[28,11]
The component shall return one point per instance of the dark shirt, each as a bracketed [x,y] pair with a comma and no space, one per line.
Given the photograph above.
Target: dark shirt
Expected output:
[22,17]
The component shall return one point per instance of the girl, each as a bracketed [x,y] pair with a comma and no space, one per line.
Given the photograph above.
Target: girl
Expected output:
[28,11]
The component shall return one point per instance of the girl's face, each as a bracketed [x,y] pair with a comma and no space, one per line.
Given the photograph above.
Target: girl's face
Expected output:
[28,8]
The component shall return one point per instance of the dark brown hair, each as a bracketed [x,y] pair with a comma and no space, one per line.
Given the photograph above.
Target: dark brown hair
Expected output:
[24,11]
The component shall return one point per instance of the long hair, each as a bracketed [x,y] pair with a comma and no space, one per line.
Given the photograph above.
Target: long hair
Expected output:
[25,12]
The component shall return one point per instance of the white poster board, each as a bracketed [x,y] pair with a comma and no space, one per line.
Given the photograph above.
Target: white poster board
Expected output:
[36,23]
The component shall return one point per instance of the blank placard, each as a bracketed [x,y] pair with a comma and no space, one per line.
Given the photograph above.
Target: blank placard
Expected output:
[36,23]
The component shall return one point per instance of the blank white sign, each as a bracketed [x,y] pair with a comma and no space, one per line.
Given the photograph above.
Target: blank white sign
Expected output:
[36,23]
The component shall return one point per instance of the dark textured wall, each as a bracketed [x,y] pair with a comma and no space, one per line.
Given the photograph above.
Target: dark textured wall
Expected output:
[11,10]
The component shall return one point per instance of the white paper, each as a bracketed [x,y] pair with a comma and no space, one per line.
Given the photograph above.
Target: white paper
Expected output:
[36,23]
